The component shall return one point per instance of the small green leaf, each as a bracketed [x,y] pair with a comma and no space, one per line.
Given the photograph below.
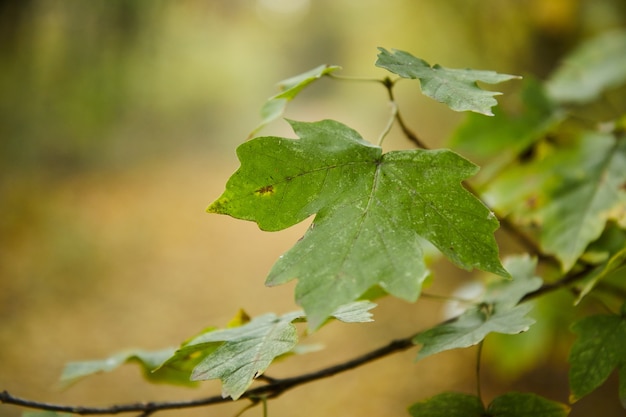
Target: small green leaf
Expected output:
[149,361]
[449,404]
[274,107]
[244,352]
[516,404]
[594,67]
[457,88]
[373,213]
[498,312]
[597,351]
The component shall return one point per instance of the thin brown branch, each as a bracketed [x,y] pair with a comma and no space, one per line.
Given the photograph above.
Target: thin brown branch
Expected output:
[271,390]
[388,83]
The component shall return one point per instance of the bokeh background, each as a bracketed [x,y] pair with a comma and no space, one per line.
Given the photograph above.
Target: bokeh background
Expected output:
[118,125]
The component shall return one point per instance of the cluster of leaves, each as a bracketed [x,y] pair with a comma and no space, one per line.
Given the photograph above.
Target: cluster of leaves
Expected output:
[556,180]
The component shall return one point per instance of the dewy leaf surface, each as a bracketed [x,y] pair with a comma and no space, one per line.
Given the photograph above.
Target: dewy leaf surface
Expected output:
[372,212]
[498,312]
[457,88]
[598,350]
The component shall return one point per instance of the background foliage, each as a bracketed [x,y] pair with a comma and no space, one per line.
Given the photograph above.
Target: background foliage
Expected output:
[114,119]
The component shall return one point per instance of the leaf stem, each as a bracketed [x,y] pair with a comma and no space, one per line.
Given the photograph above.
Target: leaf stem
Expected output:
[389,84]
[387,129]
[478,363]
[351,78]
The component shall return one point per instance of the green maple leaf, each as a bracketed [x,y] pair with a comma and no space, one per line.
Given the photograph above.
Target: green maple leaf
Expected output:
[598,350]
[149,361]
[512,404]
[274,107]
[498,312]
[457,88]
[373,212]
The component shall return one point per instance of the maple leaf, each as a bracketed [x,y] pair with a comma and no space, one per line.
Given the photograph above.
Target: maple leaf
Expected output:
[457,88]
[497,312]
[373,213]
[274,107]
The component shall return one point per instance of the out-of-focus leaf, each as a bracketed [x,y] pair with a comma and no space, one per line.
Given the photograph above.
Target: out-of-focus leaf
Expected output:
[498,312]
[512,404]
[508,132]
[518,404]
[147,360]
[616,262]
[594,67]
[457,88]
[45,414]
[588,191]
[597,351]
[274,107]
[373,212]
[449,404]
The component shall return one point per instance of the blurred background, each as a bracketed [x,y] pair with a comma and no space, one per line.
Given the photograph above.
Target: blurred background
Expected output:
[118,125]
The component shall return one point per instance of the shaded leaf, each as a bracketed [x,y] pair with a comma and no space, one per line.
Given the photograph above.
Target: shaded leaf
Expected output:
[449,404]
[274,107]
[512,404]
[498,312]
[456,88]
[147,360]
[597,351]
[588,191]
[373,211]
[517,404]
[594,67]
[614,263]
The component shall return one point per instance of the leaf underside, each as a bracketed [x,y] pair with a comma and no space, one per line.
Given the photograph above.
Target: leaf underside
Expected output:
[498,312]
[456,88]
[373,212]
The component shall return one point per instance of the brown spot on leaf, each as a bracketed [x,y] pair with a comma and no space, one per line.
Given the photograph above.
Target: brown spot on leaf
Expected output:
[268,189]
